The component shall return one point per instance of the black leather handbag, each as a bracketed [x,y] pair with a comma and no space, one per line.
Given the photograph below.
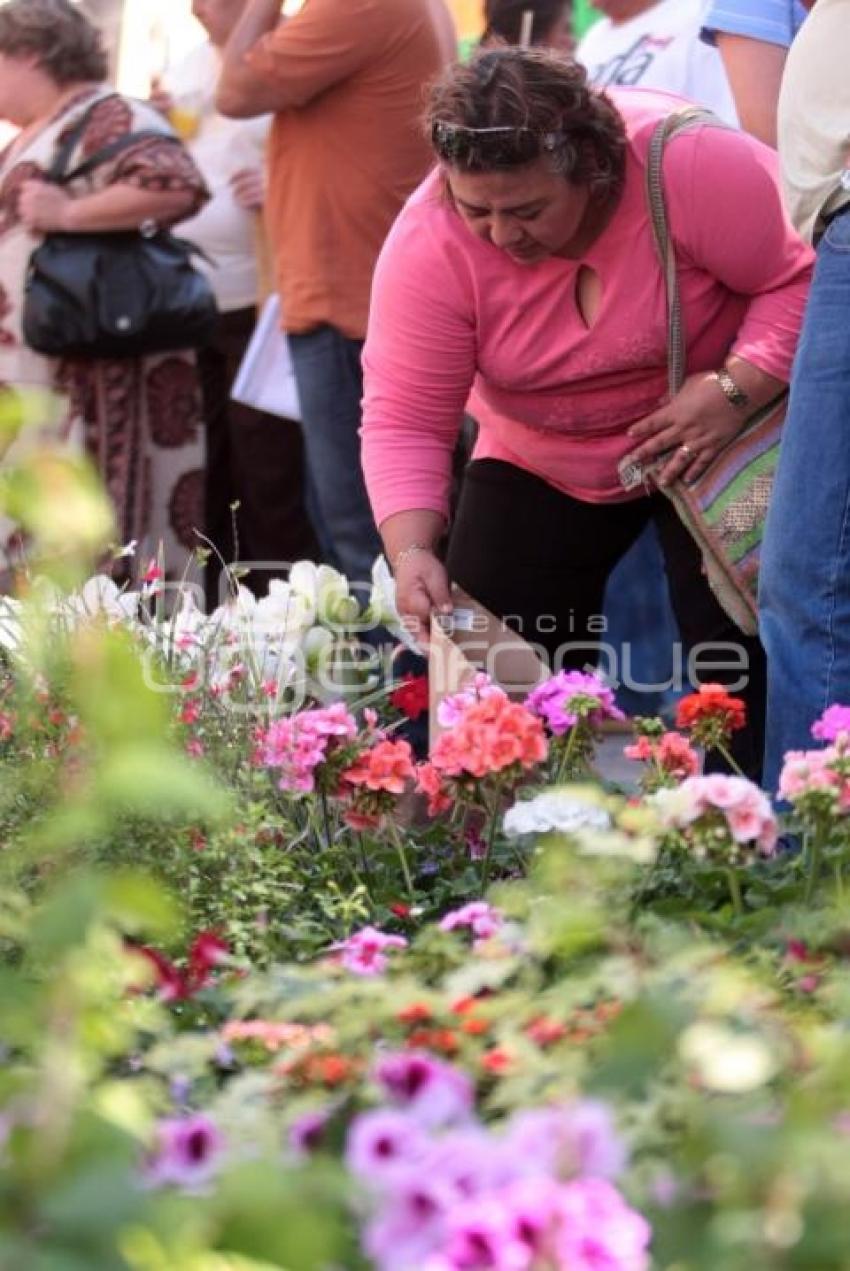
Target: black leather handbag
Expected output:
[114,294]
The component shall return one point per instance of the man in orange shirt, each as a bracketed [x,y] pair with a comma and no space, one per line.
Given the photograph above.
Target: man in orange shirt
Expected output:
[345,80]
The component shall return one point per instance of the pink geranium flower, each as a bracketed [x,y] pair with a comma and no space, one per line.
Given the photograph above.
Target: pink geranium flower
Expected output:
[433,1092]
[570,696]
[833,723]
[365,952]
[298,744]
[742,805]
[482,919]
[187,1152]
[383,1142]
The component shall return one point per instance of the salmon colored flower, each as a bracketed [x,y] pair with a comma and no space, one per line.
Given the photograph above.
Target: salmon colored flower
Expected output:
[430,782]
[671,754]
[492,735]
[386,767]
[545,1031]
[275,1035]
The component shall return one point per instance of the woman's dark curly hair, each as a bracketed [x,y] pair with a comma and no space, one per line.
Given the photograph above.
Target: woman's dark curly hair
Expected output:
[67,45]
[528,103]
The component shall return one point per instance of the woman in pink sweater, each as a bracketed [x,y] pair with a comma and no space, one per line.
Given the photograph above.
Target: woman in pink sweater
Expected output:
[522,276]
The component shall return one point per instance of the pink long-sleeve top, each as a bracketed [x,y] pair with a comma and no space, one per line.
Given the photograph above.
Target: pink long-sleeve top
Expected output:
[454,320]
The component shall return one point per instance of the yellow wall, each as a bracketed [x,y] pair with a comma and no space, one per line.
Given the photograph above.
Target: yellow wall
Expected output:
[467,15]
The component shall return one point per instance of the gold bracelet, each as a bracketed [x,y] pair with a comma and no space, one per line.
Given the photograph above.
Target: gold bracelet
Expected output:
[410,551]
[731,390]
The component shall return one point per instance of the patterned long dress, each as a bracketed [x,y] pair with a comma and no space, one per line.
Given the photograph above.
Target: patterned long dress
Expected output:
[140,418]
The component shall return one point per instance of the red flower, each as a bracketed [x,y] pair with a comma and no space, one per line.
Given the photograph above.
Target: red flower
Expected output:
[545,1032]
[329,1070]
[207,952]
[497,1061]
[463,1005]
[416,1013]
[711,705]
[440,1039]
[400,910]
[411,696]
[474,1026]
[171,983]
[190,712]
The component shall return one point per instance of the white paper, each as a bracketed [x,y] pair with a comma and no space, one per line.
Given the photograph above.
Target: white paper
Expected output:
[266,378]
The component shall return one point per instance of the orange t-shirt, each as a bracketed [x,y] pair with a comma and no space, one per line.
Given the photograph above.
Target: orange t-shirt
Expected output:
[348,147]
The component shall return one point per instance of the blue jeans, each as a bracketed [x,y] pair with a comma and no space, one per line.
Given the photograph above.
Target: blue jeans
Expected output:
[805,570]
[330,386]
[639,616]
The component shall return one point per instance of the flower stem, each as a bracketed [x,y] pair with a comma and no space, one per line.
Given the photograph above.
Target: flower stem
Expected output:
[567,755]
[326,818]
[402,856]
[491,839]
[367,873]
[723,749]
[735,892]
[814,866]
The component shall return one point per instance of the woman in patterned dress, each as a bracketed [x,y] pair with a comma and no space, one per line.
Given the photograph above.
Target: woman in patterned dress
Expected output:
[139,418]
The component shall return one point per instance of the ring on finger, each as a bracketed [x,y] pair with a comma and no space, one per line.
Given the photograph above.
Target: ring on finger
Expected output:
[685,450]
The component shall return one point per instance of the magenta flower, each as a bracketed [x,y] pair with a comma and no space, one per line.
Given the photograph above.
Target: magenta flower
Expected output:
[834,722]
[187,1152]
[298,744]
[570,696]
[470,1161]
[598,1231]
[383,1142]
[433,1092]
[483,1237]
[410,1224]
[482,919]
[578,1139]
[364,952]
[307,1132]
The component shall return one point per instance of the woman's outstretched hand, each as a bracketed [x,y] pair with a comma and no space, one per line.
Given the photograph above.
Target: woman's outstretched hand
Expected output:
[422,588]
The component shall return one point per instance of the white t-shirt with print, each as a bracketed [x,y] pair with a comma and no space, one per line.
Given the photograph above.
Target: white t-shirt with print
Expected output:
[225,231]
[660,49]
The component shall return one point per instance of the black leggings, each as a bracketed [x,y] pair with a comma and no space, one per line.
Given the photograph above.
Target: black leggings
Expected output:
[540,559]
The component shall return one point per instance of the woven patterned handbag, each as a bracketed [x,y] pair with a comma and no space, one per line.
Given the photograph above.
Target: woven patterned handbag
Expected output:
[724,508]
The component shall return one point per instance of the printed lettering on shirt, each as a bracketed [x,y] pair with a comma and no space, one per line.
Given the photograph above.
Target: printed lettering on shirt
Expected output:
[629,68]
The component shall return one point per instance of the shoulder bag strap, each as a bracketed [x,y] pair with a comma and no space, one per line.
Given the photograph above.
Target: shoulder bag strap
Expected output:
[668,128]
[115,147]
[62,157]
[58,171]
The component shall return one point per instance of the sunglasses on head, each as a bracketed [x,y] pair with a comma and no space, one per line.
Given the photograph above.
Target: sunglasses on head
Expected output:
[463,146]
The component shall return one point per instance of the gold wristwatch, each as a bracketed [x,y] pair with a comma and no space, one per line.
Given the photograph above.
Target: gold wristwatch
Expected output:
[733,392]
